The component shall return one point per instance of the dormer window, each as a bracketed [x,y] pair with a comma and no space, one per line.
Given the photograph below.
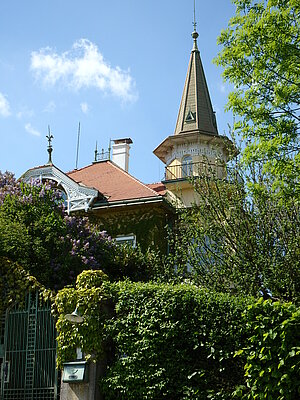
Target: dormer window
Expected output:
[187,166]
[190,117]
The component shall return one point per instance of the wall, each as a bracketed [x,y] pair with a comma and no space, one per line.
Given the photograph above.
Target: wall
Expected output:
[148,222]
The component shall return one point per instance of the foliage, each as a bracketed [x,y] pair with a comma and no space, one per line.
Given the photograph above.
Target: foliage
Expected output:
[36,232]
[15,282]
[272,355]
[92,301]
[239,241]
[138,265]
[173,342]
[148,224]
[260,57]
[180,341]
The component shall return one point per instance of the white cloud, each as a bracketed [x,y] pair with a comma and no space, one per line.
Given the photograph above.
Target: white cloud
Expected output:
[30,129]
[4,106]
[84,108]
[82,67]
[50,107]
[25,113]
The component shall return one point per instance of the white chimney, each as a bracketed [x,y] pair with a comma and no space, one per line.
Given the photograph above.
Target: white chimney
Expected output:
[120,152]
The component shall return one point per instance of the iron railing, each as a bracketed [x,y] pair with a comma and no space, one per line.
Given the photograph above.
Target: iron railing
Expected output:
[189,170]
[102,155]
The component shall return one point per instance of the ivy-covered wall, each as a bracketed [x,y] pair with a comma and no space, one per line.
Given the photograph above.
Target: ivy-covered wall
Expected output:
[149,223]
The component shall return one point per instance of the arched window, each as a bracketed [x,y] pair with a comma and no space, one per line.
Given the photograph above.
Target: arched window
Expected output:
[63,196]
[187,166]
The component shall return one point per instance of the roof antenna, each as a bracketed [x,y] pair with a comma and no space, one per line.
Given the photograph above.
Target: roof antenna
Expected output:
[77,152]
[96,153]
[49,149]
[195,34]
[109,149]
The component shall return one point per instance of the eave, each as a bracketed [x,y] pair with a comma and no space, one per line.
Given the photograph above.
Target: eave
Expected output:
[168,144]
[157,200]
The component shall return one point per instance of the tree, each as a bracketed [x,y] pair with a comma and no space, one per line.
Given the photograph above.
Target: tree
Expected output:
[260,56]
[54,247]
[240,242]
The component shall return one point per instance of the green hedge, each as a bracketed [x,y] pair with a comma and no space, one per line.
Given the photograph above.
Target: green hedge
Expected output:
[272,355]
[173,342]
[182,342]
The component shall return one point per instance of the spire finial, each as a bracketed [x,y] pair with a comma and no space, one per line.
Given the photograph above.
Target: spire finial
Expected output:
[195,23]
[49,149]
[195,33]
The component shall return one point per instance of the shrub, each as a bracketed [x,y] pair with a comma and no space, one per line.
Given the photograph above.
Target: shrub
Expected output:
[273,353]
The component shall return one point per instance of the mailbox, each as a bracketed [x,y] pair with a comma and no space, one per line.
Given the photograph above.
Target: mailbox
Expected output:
[75,372]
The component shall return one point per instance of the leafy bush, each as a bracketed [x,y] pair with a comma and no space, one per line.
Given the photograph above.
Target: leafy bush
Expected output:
[181,341]
[272,357]
[173,342]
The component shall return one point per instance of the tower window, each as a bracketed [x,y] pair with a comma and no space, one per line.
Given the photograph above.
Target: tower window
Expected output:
[187,166]
[190,117]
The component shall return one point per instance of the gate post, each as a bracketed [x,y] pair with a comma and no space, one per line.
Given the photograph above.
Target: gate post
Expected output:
[88,390]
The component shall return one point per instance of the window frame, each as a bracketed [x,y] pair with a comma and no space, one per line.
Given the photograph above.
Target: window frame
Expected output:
[187,166]
[129,238]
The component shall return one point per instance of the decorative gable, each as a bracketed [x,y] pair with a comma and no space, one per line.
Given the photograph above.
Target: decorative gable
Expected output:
[79,197]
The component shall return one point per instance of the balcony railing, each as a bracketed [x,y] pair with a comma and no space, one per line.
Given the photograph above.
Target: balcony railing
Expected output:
[188,170]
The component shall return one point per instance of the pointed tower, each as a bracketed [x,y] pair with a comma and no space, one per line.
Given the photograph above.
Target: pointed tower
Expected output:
[195,112]
[195,148]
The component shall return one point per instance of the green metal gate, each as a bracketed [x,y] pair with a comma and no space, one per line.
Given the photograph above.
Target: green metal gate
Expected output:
[28,353]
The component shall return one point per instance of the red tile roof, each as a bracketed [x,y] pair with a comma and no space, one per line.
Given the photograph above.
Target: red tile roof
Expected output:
[112,181]
[158,187]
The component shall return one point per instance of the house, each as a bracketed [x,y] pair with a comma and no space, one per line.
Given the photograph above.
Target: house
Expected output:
[128,209]
[117,202]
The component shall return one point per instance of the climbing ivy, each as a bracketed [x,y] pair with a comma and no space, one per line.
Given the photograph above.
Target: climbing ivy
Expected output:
[149,225]
[15,283]
[92,301]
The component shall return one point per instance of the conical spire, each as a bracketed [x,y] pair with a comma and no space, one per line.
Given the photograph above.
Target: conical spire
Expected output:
[195,112]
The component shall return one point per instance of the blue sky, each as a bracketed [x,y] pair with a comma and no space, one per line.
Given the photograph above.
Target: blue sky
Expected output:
[118,67]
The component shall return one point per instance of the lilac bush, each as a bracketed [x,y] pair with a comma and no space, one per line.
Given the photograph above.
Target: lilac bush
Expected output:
[36,232]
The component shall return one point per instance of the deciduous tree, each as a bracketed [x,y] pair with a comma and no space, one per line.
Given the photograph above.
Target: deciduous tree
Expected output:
[238,241]
[260,57]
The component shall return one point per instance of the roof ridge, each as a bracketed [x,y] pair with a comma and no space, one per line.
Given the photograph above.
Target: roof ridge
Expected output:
[80,169]
[132,177]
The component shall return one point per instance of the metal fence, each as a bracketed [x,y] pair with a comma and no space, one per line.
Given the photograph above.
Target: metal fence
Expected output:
[28,352]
